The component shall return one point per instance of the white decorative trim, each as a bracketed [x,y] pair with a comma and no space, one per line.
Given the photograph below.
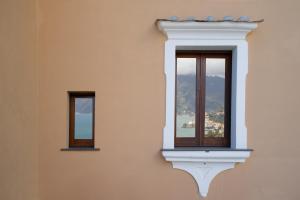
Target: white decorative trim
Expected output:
[202,165]
[205,165]
[206,30]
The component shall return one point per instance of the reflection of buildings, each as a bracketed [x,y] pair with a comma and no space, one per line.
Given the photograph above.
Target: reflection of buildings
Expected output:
[214,124]
[213,127]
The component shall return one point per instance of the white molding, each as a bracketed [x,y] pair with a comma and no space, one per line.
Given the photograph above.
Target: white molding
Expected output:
[207,36]
[206,30]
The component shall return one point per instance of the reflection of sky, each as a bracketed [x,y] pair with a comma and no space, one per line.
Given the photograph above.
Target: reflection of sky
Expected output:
[186,66]
[214,66]
[83,105]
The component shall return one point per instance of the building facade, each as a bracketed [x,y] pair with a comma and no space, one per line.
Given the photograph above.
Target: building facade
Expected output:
[115,49]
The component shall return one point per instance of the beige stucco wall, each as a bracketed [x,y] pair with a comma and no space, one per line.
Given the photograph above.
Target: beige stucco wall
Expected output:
[18,101]
[113,48]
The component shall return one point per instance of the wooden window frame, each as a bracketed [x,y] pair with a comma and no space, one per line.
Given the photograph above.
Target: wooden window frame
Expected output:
[80,143]
[199,140]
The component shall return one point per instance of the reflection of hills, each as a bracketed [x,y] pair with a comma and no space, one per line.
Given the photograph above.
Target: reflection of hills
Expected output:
[186,87]
[215,88]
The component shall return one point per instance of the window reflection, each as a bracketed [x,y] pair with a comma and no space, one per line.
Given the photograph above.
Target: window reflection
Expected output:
[83,118]
[186,97]
[214,97]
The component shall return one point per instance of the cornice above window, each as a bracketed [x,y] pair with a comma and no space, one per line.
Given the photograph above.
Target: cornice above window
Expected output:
[206,30]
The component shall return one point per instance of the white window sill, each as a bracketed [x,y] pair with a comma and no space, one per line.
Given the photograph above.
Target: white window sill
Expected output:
[206,154]
[203,164]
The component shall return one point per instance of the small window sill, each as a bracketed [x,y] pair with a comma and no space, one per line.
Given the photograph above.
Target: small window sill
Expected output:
[80,149]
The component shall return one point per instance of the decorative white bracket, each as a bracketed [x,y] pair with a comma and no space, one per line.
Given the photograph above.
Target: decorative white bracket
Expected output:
[205,164]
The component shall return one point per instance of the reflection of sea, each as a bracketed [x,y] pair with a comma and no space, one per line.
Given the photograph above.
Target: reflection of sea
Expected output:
[83,125]
[214,125]
[180,121]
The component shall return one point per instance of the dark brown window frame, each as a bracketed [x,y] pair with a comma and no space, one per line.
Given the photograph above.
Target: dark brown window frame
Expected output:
[199,140]
[80,143]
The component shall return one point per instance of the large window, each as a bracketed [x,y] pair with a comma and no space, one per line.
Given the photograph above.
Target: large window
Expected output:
[82,119]
[203,96]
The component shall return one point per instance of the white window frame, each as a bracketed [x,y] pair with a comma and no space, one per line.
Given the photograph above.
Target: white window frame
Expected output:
[205,164]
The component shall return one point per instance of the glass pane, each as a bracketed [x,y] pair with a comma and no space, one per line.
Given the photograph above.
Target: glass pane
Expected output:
[83,118]
[214,97]
[186,97]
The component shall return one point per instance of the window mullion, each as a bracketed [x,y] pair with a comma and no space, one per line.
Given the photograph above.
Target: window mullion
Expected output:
[201,110]
[198,104]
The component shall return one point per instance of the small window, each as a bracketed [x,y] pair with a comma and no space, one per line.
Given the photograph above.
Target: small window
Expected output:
[203,96]
[82,119]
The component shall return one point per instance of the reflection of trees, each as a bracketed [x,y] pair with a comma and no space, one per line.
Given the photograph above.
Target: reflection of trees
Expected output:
[215,133]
